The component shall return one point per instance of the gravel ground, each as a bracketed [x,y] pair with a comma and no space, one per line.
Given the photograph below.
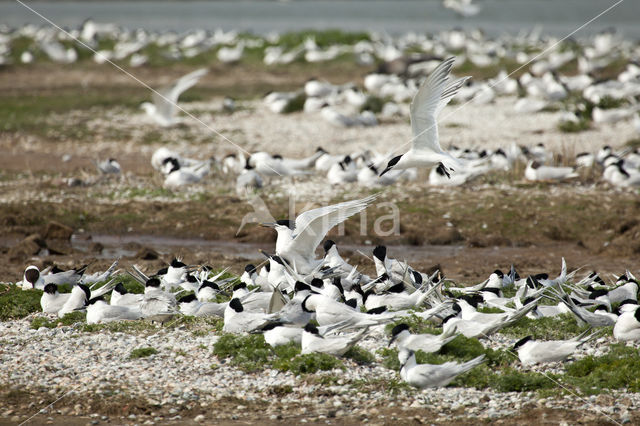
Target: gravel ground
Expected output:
[179,382]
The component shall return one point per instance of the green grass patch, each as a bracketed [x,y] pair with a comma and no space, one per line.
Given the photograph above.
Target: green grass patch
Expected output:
[69,319]
[551,328]
[142,352]
[574,126]
[251,353]
[360,355]
[296,104]
[16,303]
[617,369]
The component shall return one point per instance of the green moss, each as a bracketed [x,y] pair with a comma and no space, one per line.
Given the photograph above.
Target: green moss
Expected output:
[16,303]
[142,352]
[512,380]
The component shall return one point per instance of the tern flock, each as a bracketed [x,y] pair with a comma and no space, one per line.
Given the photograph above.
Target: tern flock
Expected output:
[325,304]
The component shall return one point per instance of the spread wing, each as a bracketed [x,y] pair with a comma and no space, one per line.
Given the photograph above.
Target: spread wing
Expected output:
[434,94]
[312,225]
[167,98]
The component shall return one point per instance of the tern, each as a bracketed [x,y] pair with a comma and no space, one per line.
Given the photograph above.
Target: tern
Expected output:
[297,241]
[163,108]
[428,343]
[98,311]
[337,346]
[432,376]
[434,94]
[535,352]
[627,326]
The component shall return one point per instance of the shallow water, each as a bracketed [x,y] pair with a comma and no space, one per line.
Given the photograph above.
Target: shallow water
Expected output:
[556,17]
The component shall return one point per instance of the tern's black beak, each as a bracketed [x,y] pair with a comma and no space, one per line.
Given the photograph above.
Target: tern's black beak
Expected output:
[393,339]
[385,171]
[268,224]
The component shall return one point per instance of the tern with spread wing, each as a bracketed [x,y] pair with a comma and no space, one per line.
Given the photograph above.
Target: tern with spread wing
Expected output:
[165,101]
[297,240]
[434,94]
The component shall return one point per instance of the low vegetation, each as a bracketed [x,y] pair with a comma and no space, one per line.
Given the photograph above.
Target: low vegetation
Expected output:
[251,353]
[142,352]
[16,303]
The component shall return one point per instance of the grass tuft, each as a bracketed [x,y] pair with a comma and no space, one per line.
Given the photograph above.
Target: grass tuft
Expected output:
[69,319]
[142,352]
[16,303]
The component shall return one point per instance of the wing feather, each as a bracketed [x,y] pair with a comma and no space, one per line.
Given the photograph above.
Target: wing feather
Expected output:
[312,226]
[434,94]
[166,98]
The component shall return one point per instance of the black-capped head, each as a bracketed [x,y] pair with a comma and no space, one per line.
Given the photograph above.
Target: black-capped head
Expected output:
[210,284]
[391,164]
[521,342]
[417,277]
[628,302]
[119,288]
[351,303]
[493,290]
[163,271]
[317,283]
[473,299]
[535,165]
[250,269]
[457,309]
[236,305]
[337,282]
[449,318]
[191,279]
[175,263]
[51,288]
[499,151]
[270,326]
[95,299]
[267,267]
[380,253]
[277,156]
[327,245]
[321,149]
[32,275]
[87,291]
[56,270]
[637,315]
[310,328]
[377,311]
[288,223]
[239,286]
[399,329]
[347,159]
[188,298]
[153,282]
[532,282]
[595,293]
[542,276]
[300,286]
[398,288]
[499,273]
